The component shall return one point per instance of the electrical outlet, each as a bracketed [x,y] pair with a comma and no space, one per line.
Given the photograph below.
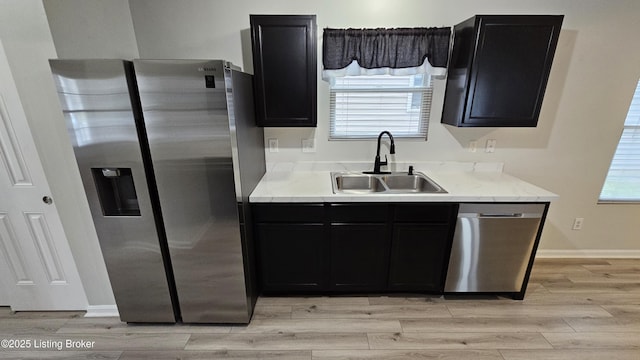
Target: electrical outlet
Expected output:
[491,146]
[273,145]
[577,223]
[473,146]
[308,145]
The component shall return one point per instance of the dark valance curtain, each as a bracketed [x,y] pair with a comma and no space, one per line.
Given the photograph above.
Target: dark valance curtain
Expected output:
[382,48]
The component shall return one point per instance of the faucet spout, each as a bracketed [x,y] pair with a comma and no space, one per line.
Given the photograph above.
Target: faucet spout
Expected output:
[377,162]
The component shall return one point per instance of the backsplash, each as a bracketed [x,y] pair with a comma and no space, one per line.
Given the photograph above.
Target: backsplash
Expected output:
[442,166]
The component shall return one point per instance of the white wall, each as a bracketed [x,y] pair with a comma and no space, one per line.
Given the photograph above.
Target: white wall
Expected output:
[595,71]
[25,34]
[91,29]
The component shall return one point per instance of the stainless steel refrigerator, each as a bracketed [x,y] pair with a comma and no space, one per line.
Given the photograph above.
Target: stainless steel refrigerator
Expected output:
[169,152]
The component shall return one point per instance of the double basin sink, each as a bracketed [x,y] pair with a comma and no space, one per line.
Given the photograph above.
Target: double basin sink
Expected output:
[393,183]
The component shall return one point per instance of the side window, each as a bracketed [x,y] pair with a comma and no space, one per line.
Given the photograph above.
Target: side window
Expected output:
[623,179]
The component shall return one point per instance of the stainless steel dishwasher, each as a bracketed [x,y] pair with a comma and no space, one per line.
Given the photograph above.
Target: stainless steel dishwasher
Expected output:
[492,247]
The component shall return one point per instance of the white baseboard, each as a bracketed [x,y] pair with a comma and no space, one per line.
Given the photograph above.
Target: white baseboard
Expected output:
[102,311]
[604,254]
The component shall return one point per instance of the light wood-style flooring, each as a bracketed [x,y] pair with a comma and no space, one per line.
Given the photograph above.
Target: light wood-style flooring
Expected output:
[574,309]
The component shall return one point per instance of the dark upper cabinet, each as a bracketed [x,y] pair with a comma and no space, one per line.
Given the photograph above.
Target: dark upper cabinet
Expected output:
[284,63]
[498,70]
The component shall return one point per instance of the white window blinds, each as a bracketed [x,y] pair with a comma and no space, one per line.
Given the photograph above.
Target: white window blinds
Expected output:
[363,106]
[623,179]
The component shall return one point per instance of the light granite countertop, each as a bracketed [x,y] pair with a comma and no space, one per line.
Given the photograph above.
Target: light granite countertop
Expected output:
[464,182]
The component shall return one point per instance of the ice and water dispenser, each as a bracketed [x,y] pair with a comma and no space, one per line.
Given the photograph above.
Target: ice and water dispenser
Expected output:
[116,191]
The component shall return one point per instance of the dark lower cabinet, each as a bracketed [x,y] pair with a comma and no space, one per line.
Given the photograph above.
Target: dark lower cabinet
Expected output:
[359,257]
[355,247]
[418,257]
[328,248]
[291,256]
[420,246]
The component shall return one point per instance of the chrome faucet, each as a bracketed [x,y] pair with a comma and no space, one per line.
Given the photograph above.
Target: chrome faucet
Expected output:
[377,163]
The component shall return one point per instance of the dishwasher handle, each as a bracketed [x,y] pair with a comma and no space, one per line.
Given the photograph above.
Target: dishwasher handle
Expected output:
[505,211]
[500,215]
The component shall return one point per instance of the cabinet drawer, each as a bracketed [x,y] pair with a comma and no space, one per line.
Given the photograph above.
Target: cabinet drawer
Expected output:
[358,213]
[289,213]
[421,213]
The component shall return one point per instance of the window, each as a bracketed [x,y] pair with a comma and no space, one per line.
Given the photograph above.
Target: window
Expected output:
[623,180]
[363,106]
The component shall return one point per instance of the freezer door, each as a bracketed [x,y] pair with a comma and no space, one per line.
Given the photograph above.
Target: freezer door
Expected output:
[94,95]
[185,111]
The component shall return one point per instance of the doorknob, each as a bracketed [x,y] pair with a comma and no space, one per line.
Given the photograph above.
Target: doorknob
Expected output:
[47,200]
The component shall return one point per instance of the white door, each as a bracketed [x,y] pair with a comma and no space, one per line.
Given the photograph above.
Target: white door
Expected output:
[37,269]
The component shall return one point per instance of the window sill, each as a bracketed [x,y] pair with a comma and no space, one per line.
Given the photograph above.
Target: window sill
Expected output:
[623,202]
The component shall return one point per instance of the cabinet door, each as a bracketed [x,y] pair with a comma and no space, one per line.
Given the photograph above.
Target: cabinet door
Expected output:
[499,69]
[292,256]
[359,254]
[510,70]
[284,62]
[418,253]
